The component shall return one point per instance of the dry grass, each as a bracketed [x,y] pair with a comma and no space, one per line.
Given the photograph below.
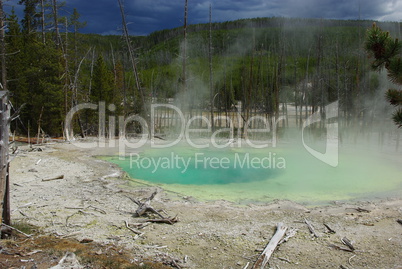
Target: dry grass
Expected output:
[16,252]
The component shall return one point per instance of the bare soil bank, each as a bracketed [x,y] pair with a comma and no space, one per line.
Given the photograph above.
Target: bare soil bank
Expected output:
[91,202]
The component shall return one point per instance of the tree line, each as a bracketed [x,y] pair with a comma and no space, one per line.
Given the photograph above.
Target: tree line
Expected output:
[262,63]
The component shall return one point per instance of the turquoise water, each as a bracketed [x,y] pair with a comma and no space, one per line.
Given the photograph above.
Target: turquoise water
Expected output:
[209,167]
[243,174]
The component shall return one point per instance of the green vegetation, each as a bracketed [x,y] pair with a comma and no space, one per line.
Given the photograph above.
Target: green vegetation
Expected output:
[387,53]
[261,62]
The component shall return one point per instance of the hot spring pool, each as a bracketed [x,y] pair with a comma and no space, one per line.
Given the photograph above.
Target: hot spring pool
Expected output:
[242,174]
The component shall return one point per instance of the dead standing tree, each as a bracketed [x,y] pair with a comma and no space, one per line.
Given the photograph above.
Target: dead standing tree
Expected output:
[211,88]
[184,63]
[4,161]
[4,127]
[133,61]
[3,48]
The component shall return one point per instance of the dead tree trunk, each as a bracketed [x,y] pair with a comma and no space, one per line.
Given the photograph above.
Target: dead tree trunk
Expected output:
[3,48]
[42,6]
[131,53]
[4,161]
[184,80]
[133,61]
[4,127]
[211,91]
[56,23]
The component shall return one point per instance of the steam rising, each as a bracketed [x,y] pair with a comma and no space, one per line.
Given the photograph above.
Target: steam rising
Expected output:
[369,150]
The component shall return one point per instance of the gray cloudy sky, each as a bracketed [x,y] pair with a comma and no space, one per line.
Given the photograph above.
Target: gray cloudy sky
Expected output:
[146,16]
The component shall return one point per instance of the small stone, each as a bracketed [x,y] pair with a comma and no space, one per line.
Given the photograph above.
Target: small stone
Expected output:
[86,241]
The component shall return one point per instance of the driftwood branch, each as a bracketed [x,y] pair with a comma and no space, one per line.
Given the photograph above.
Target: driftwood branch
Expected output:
[329,229]
[350,260]
[53,178]
[145,207]
[131,229]
[15,229]
[310,227]
[361,210]
[269,249]
[140,225]
[170,221]
[340,248]
[348,243]
[289,234]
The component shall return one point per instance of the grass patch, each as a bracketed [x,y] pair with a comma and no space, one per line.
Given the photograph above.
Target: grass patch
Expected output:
[25,227]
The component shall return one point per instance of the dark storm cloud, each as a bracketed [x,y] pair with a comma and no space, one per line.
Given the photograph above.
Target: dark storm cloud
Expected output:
[102,16]
[146,16]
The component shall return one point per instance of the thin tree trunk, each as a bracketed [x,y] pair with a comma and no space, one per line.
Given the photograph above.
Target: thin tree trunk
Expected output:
[67,82]
[184,60]
[296,93]
[131,54]
[42,5]
[211,90]
[56,23]
[39,123]
[91,74]
[3,49]
[114,65]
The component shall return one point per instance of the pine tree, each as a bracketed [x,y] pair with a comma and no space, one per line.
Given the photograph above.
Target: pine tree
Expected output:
[40,80]
[15,67]
[102,82]
[74,22]
[34,73]
[31,20]
[387,54]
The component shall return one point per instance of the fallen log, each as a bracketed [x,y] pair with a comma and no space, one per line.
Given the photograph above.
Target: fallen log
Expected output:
[270,248]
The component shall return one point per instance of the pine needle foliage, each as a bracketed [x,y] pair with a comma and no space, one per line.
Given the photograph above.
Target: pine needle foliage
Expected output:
[387,54]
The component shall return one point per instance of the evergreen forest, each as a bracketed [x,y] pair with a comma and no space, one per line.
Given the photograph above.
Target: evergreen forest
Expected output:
[264,64]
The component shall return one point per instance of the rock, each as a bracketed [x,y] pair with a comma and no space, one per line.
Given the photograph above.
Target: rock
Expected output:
[86,241]
[69,261]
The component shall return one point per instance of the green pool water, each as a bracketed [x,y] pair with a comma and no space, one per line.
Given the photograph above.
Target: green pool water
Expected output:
[244,175]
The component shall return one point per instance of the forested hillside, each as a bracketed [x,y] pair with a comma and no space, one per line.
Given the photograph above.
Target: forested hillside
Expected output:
[261,62]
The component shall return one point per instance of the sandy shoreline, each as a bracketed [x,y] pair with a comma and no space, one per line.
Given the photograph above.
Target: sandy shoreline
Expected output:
[91,202]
